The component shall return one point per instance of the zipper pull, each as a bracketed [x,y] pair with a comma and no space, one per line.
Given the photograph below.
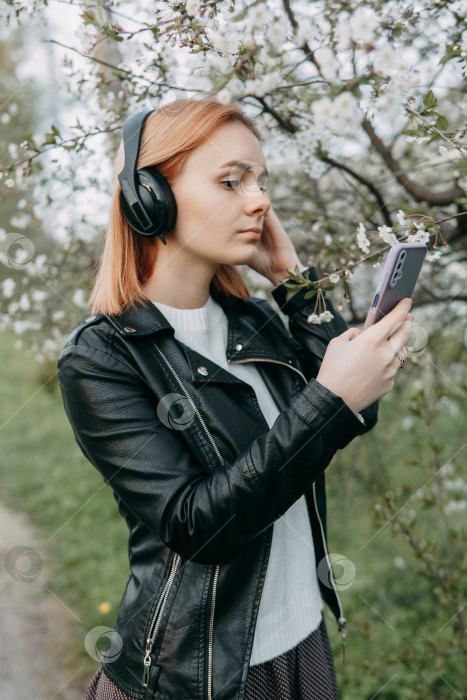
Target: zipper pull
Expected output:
[341,625]
[147,662]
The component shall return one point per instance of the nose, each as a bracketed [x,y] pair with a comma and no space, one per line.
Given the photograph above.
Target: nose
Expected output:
[257,203]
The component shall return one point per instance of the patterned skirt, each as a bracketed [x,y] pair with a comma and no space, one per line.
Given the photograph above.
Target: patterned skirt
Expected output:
[305,672]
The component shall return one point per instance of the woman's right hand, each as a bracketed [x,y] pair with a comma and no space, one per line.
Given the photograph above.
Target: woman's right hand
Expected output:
[359,366]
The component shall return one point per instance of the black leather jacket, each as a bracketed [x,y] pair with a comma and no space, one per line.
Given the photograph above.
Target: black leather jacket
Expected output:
[200,479]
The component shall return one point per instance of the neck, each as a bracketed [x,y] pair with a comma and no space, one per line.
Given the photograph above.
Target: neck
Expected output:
[179,278]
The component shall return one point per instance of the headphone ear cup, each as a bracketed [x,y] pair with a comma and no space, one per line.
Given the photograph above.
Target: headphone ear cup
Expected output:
[157,198]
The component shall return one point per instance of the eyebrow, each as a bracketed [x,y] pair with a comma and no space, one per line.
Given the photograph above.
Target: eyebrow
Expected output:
[241,165]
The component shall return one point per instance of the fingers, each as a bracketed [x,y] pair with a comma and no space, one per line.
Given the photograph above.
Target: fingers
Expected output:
[353,333]
[391,322]
[401,336]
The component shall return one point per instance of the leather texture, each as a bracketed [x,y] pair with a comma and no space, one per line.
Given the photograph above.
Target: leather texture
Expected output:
[206,489]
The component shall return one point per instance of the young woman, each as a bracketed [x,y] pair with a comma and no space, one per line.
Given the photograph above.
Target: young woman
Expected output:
[212,422]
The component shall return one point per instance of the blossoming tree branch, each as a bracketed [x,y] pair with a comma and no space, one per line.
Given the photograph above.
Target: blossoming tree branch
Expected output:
[362,107]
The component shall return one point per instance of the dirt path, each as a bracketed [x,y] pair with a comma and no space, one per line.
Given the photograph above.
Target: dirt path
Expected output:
[34,624]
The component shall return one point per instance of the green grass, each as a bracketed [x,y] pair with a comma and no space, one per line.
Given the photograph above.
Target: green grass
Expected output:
[44,474]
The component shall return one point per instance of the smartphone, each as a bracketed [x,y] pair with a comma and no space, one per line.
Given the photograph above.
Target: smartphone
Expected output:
[398,279]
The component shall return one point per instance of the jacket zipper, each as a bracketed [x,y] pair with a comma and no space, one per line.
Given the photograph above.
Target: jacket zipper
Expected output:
[216,568]
[156,618]
[341,621]
[266,359]
[211,624]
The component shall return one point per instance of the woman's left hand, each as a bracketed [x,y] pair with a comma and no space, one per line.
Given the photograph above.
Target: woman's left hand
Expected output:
[275,253]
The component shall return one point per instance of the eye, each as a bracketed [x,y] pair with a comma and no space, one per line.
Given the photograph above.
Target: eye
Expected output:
[231,183]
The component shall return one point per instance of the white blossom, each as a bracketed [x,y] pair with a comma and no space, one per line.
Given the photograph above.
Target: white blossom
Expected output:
[20,222]
[400,218]
[420,236]
[257,16]
[24,303]
[271,80]
[323,110]
[327,62]
[304,33]
[455,507]
[8,287]
[313,318]
[458,485]
[347,113]
[277,34]
[385,232]
[343,35]
[78,298]
[5,118]
[224,96]
[249,41]
[389,102]
[223,42]
[326,316]
[38,296]
[10,183]
[384,59]
[363,24]
[334,279]
[362,241]
[192,7]
[58,315]
[433,255]
[254,87]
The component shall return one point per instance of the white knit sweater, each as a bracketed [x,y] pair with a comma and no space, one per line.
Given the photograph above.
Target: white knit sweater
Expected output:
[291,605]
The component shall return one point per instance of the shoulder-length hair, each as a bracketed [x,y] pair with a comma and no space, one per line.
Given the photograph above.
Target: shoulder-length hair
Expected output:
[127,259]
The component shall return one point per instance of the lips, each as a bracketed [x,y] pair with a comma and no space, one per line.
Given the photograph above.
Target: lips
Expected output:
[253,229]
[253,232]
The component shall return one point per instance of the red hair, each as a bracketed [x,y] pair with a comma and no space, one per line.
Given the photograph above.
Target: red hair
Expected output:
[127,259]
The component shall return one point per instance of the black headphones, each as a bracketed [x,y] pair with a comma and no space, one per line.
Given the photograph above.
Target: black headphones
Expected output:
[146,198]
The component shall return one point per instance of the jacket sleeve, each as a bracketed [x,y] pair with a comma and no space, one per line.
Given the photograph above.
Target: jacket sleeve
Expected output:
[312,339]
[202,513]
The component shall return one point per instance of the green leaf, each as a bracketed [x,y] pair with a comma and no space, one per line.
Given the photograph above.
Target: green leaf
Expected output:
[429,100]
[442,123]
[447,57]
[411,132]
[289,294]
[311,293]
[295,277]
[49,139]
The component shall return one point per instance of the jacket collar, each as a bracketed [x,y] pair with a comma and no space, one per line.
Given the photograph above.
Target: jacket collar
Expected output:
[145,318]
[243,339]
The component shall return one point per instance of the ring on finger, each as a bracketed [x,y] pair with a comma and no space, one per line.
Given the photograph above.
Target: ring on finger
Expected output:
[401,360]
